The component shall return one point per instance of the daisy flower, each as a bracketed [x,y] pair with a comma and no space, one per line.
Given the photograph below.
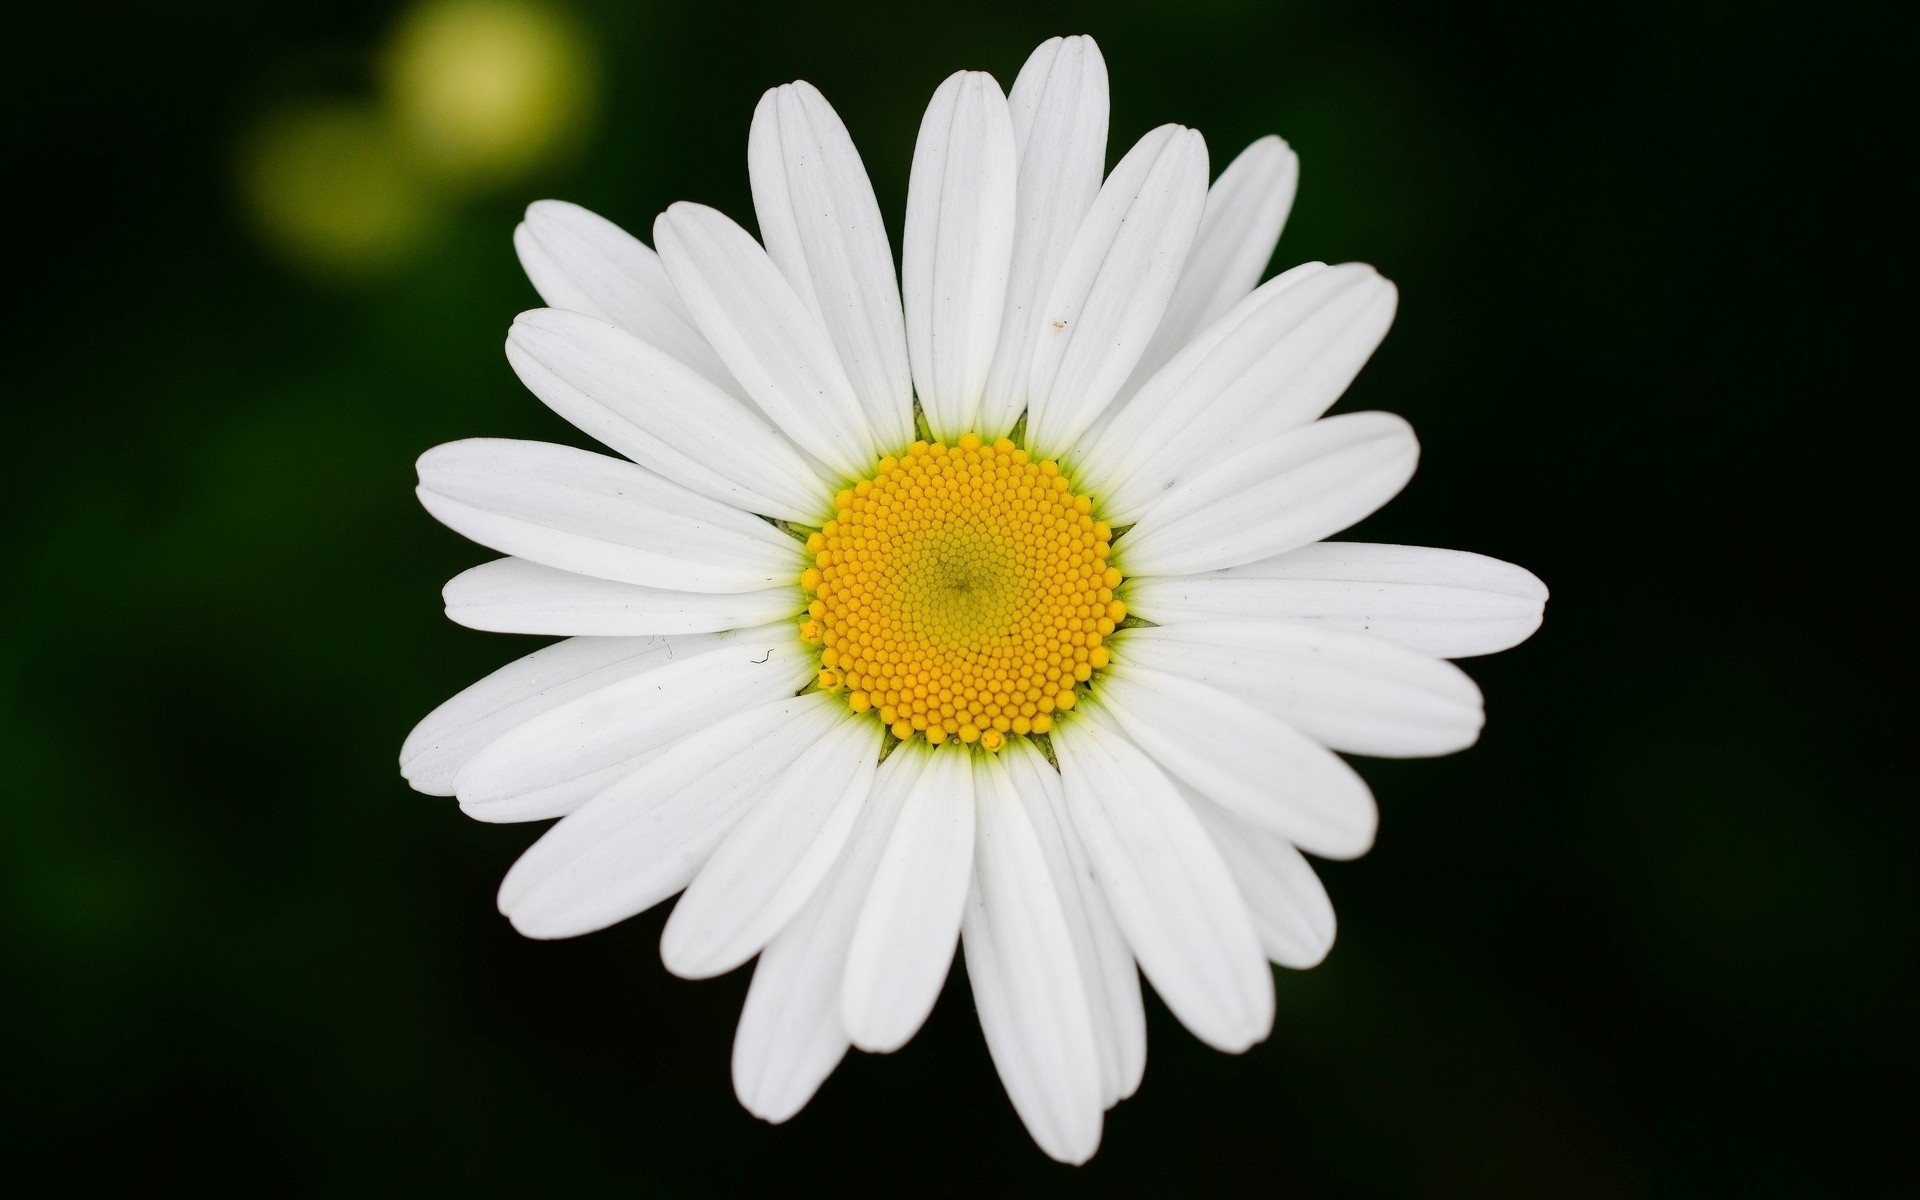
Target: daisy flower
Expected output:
[989,609]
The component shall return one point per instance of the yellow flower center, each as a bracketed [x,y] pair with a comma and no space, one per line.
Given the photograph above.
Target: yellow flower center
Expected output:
[961,591]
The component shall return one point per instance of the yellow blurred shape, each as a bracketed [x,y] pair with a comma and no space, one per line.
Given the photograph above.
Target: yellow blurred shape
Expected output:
[484,89]
[329,185]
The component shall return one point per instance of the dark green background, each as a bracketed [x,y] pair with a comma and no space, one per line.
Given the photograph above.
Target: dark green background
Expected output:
[1652,936]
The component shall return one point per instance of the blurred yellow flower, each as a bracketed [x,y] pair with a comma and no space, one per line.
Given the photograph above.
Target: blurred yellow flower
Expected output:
[327,183]
[484,89]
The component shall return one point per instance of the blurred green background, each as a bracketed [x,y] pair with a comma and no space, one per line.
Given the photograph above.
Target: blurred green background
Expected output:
[1653,936]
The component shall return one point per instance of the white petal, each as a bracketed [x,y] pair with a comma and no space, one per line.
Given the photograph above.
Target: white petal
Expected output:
[1288,903]
[775,858]
[550,764]
[585,263]
[910,920]
[1354,693]
[646,405]
[1098,456]
[791,1036]
[1244,759]
[1277,361]
[523,689]
[1168,886]
[1279,495]
[822,228]
[512,595]
[594,515]
[640,841]
[1447,603]
[1106,965]
[1114,284]
[765,334]
[958,245]
[1059,109]
[1246,209]
[1026,980]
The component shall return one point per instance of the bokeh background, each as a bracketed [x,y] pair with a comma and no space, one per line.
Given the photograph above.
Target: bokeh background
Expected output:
[1654,935]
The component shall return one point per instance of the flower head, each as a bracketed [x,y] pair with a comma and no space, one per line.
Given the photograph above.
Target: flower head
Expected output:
[1001,616]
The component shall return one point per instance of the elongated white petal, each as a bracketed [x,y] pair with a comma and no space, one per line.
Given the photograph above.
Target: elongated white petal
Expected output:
[822,228]
[1354,693]
[553,762]
[1277,361]
[1447,603]
[790,1036]
[910,920]
[1098,456]
[1246,209]
[646,405]
[1244,759]
[1168,886]
[1021,962]
[584,263]
[512,595]
[523,689]
[1277,496]
[958,246]
[774,859]
[1286,899]
[764,332]
[640,840]
[599,516]
[1114,284]
[1059,110]
[1106,964]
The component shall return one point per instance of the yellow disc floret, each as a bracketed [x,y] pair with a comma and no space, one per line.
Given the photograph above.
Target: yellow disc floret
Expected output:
[961,593]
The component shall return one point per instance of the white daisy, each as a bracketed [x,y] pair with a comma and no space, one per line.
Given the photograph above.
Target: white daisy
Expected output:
[999,617]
